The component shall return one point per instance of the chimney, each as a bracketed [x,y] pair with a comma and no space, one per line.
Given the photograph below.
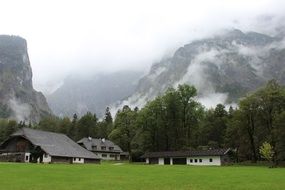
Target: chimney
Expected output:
[90,138]
[103,140]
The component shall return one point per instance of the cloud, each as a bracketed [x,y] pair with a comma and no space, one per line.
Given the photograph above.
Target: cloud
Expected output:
[196,76]
[90,36]
[136,100]
[21,111]
[211,100]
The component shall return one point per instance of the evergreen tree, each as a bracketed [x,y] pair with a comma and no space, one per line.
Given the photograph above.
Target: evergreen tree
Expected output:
[87,126]
[124,129]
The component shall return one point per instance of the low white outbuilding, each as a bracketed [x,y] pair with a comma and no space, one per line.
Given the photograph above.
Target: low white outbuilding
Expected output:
[212,157]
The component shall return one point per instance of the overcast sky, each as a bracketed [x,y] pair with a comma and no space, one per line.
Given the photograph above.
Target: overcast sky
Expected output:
[90,36]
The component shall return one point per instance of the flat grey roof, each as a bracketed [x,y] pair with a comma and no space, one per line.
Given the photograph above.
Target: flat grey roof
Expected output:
[168,154]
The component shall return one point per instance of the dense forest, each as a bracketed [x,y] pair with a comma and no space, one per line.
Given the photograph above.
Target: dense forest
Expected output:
[177,121]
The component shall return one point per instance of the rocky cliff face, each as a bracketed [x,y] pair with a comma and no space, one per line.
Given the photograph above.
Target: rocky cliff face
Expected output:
[18,99]
[92,94]
[223,68]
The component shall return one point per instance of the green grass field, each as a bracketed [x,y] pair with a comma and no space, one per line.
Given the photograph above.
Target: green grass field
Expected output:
[134,176]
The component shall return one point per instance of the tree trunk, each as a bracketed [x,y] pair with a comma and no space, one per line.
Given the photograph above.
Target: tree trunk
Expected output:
[250,130]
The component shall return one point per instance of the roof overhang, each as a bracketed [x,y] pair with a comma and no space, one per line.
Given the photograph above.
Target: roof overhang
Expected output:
[181,154]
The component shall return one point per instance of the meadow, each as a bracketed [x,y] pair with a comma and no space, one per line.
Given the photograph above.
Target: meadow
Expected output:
[19,176]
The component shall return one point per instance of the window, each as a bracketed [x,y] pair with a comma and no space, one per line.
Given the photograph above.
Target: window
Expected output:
[94,147]
[196,160]
[79,159]
[45,155]
[191,160]
[211,160]
[74,159]
[104,155]
[111,148]
[200,160]
[103,147]
[112,155]
[27,158]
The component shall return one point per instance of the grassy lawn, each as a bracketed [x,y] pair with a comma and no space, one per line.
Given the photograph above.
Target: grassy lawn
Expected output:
[131,176]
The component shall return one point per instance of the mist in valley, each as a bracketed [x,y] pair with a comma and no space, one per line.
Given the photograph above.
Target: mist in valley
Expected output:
[97,53]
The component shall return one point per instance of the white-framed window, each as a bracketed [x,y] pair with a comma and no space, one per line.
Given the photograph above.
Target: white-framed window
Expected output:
[211,160]
[191,160]
[111,148]
[200,160]
[27,158]
[103,147]
[94,147]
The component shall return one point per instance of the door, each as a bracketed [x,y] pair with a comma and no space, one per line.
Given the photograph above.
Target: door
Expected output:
[167,161]
[153,160]
[179,161]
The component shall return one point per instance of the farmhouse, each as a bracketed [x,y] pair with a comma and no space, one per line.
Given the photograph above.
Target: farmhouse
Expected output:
[215,157]
[105,149]
[30,145]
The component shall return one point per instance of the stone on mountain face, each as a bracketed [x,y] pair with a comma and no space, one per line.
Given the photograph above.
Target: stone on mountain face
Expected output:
[233,63]
[92,94]
[18,99]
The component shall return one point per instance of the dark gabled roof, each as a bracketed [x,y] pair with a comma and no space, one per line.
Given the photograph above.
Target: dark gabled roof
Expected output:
[168,154]
[89,142]
[54,144]
[124,153]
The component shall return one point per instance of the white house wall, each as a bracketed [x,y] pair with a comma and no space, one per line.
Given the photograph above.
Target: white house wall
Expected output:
[46,158]
[161,161]
[78,160]
[108,157]
[147,160]
[216,161]
[27,157]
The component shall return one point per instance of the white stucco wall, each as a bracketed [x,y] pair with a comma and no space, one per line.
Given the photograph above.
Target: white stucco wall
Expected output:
[171,161]
[27,155]
[108,157]
[46,158]
[147,161]
[161,161]
[216,161]
[78,160]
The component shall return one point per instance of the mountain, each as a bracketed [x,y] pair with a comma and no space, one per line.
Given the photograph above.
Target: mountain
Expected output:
[223,68]
[18,99]
[80,95]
